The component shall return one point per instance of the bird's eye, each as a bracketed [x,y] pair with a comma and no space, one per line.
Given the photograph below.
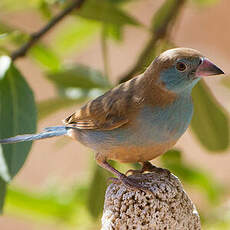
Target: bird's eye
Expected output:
[181,66]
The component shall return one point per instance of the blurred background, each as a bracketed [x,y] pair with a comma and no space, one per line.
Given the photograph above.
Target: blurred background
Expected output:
[92,49]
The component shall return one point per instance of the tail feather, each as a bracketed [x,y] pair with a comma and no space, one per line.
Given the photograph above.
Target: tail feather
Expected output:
[48,133]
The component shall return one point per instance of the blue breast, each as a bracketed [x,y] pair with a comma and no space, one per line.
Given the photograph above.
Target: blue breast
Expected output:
[166,124]
[152,125]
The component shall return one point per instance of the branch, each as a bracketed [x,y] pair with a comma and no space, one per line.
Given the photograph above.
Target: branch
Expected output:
[22,51]
[162,26]
[166,207]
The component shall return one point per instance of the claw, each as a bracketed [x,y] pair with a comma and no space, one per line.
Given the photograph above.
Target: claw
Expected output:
[129,183]
[147,167]
[133,171]
[113,180]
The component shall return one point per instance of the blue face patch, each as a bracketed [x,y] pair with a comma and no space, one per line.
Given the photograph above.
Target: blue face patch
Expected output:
[178,79]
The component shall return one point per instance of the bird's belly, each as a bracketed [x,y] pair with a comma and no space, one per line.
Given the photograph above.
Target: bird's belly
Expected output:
[150,134]
[132,154]
[130,148]
[134,139]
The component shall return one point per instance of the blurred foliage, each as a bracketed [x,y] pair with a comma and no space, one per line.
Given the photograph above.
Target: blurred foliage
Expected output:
[214,131]
[79,76]
[2,194]
[66,206]
[46,57]
[75,35]
[107,12]
[82,205]
[97,188]
[160,28]
[49,106]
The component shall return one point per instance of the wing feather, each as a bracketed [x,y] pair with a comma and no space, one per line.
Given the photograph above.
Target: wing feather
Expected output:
[113,109]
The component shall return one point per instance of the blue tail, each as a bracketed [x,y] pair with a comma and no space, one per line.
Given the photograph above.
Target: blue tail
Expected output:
[48,132]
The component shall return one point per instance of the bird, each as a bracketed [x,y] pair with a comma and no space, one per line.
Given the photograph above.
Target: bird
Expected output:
[140,119]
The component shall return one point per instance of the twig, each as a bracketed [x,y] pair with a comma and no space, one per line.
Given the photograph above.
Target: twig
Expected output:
[22,51]
[159,33]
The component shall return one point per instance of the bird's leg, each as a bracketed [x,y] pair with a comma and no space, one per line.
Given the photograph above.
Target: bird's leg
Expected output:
[128,182]
[146,167]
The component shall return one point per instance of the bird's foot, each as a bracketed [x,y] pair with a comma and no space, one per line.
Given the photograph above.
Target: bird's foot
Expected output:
[134,171]
[147,167]
[130,183]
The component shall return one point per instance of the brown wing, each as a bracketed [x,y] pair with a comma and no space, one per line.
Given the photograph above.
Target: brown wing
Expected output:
[109,111]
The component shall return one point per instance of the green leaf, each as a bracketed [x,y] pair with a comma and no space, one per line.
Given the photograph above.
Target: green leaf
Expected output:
[210,123]
[45,8]
[47,107]
[13,34]
[17,113]
[31,203]
[192,176]
[74,35]
[40,52]
[104,11]
[172,156]
[45,56]
[39,205]
[97,190]
[2,194]
[66,206]
[17,116]
[114,31]
[79,76]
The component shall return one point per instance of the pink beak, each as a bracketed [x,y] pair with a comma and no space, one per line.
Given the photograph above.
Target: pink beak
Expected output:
[207,68]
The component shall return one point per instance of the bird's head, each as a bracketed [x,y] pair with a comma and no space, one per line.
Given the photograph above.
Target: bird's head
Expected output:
[180,69]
